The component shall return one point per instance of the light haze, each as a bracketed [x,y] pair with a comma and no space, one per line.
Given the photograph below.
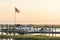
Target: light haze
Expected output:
[31,11]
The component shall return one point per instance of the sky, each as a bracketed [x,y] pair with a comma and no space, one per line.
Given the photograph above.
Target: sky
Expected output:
[31,11]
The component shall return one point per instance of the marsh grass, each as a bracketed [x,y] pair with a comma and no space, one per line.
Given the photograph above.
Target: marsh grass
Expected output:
[31,37]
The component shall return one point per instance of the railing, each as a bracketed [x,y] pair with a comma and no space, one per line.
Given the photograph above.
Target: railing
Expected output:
[14,33]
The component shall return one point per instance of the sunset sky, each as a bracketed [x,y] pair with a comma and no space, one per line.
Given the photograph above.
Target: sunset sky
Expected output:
[31,11]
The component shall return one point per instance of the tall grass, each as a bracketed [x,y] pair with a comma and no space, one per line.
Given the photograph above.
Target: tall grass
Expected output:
[31,37]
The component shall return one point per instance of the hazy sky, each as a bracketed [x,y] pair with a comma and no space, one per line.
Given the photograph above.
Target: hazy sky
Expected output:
[31,11]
